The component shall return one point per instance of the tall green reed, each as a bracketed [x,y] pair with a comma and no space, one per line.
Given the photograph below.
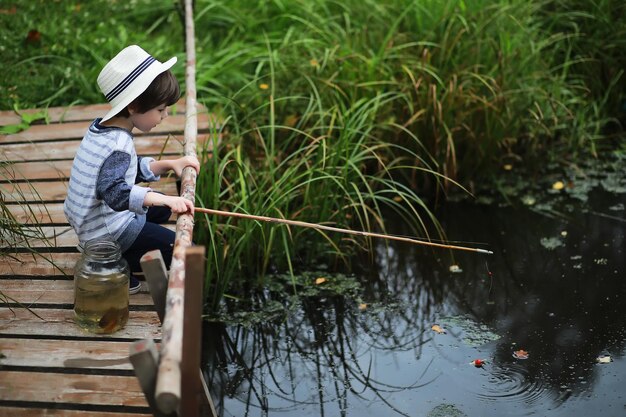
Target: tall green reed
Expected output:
[320,169]
[483,82]
[336,113]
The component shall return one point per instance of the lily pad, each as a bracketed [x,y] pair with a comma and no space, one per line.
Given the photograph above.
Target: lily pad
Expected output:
[446,410]
[551,243]
[474,334]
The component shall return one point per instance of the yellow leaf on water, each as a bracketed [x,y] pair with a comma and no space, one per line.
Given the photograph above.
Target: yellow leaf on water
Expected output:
[320,280]
[362,306]
[438,329]
[558,185]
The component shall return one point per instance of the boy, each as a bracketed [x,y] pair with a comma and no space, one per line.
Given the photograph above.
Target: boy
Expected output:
[103,198]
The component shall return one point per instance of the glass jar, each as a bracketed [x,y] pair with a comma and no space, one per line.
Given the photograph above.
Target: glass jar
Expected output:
[101,279]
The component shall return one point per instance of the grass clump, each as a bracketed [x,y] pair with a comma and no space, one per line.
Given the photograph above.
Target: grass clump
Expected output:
[52,51]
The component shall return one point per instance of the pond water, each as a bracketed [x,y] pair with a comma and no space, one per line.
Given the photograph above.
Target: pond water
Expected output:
[555,288]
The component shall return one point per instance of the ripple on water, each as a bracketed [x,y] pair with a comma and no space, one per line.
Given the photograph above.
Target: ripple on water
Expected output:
[514,384]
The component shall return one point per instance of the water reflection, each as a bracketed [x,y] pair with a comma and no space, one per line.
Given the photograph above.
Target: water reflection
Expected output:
[554,288]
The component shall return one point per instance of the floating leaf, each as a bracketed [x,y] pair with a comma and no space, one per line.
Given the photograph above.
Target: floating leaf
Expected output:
[604,359]
[558,185]
[455,269]
[477,363]
[320,280]
[520,354]
[362,306]
[551,243]
[438,329]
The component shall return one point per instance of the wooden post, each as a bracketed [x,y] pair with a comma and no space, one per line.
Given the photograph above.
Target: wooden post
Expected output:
[169,377]
[155,272]
[143,356]
[191,389]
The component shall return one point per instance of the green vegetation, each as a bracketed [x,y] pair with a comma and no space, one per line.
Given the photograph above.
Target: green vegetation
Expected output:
[337,111]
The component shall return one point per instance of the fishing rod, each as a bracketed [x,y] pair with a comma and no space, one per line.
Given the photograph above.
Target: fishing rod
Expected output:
[337,229]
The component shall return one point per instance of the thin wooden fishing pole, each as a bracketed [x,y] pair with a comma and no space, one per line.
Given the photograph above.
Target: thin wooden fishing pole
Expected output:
[337,229]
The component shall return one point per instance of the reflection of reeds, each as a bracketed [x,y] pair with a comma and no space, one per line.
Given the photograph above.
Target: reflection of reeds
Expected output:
[322,344]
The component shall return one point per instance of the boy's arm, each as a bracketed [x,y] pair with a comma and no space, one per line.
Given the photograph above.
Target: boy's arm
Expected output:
[144,173]
[176,165]
[113,189]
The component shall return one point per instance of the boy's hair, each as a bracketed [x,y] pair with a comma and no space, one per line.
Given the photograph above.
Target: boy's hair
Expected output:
[163,90]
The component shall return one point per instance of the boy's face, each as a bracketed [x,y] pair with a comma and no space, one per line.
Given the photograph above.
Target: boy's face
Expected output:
[148,120]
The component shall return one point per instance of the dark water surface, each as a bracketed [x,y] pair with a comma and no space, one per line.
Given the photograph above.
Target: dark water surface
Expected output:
[555,288]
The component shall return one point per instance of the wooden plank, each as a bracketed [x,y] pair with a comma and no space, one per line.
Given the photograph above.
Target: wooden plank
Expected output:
[76,130]
[34,171]
[38,265]
[71,388]
[37,213]
[144,145]
[57,114]
[33,292]
[74,354]
[51,237]
[60,323]
[48,191]
[75,113]
[53,412]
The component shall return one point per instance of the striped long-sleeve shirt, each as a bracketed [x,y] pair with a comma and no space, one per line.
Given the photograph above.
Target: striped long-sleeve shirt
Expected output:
[103,198]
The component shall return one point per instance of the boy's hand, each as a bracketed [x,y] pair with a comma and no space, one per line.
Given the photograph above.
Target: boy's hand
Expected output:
[178,204]
[186,161]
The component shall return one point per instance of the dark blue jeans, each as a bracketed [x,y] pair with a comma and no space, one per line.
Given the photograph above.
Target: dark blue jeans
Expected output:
[152,236]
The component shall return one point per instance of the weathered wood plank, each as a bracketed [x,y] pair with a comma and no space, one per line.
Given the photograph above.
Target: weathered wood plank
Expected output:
[48,191]
[51,237]
[76,130]
[51,412]
[33,292]
[33,171]
[36,214]
[37,171]
[71,388]
[145,145]
[38,265]
[75,354]
[60,323]
[75,113]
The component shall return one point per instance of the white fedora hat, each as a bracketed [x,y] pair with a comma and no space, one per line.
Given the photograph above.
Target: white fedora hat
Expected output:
[127,75]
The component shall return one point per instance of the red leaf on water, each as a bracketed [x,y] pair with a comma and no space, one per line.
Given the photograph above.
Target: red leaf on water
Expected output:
[477,363]
[520,354]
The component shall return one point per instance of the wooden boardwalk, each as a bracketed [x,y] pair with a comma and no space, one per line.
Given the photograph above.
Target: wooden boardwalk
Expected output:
[48,366]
